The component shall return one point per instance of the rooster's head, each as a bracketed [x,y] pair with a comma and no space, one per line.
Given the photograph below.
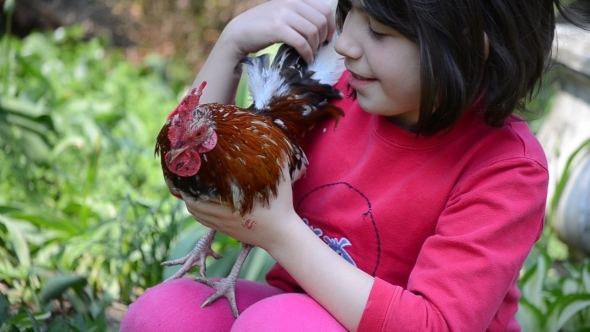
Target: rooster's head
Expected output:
[191,132]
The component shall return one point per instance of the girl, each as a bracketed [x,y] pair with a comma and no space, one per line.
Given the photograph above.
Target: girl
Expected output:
[429,194]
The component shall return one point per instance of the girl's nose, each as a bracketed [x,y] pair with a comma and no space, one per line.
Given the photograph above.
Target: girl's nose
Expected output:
[346,44]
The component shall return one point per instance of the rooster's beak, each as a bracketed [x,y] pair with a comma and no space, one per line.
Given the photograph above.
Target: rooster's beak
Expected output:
[175,153]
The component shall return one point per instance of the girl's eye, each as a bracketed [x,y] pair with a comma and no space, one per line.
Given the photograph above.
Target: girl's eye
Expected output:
[374,34]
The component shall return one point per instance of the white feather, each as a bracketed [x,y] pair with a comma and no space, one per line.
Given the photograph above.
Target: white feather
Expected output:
[328,65]
[263,82]
[237,195]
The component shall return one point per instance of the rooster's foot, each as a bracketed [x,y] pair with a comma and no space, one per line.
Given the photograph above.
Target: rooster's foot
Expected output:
[225,287]
[196,257]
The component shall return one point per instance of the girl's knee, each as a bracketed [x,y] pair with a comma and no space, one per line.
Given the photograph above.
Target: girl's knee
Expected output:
[287,312]
[176,306]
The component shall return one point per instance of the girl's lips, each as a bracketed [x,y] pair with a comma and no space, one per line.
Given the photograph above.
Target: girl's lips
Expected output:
[357,81]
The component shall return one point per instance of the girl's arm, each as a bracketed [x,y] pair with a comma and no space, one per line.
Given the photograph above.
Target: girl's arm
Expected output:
[303,24]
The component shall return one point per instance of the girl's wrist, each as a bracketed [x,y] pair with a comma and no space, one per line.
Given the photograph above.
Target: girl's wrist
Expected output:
[292,232]
[228,47]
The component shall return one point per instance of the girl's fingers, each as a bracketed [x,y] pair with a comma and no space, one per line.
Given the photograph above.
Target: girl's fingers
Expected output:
[303,24]
[314,21]
[321,15]
[303,36]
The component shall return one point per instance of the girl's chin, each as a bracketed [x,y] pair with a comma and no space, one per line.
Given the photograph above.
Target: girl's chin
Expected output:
[370,106]
[401,119]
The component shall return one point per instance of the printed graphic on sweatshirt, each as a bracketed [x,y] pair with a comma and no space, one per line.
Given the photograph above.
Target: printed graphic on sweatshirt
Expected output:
[350,230]
[336,244]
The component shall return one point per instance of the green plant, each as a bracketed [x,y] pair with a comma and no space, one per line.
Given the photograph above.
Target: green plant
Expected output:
[81,195]
[555,292]
[555,296]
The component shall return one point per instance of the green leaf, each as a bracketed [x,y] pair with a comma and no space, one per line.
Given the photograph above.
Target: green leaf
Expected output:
[35,148]
[586,276]
[56,286]
[570,286]
[58,325]
[18,240]
[25,108]
[7,208]
[79,323]
[79,302]
[9,328]
[75,328]
[34,322]
[4,309]
[32,71]
[565,308]
[26,319]
[27,124]
[533,280]
[529,317]
[47,220]
[562,181]
[9,6]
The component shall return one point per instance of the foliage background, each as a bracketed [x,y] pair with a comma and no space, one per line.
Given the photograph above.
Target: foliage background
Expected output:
[85,217]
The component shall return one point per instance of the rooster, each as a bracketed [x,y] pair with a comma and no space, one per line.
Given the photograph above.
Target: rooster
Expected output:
[236,155]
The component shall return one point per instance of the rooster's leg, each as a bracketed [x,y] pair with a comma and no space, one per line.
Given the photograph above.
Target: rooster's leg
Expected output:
[226,287]
[196,257]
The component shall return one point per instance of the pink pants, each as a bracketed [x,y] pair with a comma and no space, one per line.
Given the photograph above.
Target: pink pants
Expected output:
[176,306]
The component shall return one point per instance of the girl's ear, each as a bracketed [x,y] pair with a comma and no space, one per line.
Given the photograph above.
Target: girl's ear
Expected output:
[486,45]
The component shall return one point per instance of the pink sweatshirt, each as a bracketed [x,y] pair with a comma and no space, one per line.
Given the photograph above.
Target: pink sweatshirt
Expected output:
[443,223]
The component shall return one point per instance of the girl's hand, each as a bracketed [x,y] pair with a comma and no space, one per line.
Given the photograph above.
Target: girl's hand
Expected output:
[263,227]
[303,24]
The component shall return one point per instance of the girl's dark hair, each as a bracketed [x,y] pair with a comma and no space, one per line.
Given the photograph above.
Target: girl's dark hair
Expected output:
[454,70]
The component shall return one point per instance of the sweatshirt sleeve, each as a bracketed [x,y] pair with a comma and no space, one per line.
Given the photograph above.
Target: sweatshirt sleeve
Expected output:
[466,270]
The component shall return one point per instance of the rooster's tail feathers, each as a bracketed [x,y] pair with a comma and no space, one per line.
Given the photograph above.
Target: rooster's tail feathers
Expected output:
[264,82]
[289,73]
[328,65]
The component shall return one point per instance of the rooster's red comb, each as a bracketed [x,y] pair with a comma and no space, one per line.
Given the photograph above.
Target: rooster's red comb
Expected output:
[188,103]
[184,111]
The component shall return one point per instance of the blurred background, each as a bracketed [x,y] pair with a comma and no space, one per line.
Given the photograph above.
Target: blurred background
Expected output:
[85,216]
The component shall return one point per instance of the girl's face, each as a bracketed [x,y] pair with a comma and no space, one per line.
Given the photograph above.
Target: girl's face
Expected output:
[384,67]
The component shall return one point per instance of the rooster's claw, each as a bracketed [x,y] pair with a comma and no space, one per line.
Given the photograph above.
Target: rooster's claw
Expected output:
[197,257]
[223,288]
